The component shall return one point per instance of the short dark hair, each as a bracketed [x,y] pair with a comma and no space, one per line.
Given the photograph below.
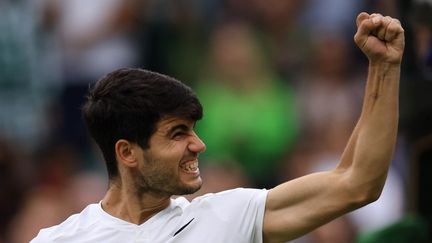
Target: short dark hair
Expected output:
[127,104]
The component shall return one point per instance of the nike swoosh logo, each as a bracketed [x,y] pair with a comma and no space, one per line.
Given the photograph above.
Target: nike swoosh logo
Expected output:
[183,227]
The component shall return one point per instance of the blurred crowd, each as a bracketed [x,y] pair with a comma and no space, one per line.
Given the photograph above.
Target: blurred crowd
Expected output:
[281,83]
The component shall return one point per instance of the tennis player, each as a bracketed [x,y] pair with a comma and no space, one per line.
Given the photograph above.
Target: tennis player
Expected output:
[144,124]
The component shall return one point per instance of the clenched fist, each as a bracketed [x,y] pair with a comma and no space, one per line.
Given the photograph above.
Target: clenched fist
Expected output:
[380,38]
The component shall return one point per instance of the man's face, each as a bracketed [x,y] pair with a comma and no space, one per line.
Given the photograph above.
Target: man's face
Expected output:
[170,165]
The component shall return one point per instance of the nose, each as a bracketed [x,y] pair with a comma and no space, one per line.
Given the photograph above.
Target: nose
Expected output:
[196,145]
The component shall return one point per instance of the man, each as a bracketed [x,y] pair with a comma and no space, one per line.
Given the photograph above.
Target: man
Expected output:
[143,122]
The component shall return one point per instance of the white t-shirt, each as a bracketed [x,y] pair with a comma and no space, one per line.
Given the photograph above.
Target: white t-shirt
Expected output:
[231,216]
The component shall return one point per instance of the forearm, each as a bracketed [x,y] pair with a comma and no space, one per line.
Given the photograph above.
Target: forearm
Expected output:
[370,149]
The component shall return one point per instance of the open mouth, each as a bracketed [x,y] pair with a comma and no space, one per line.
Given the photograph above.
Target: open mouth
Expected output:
[190,166]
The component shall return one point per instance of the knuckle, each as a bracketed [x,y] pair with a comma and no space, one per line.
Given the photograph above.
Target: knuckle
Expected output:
[356,37]
[396,28]
[378,14]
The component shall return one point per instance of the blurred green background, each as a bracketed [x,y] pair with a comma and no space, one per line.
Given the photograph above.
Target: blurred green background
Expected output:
[281,83]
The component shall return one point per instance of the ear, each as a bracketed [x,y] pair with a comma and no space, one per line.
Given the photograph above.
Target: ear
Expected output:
[126,153]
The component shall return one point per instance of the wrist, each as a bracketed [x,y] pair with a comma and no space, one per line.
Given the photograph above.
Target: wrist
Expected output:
[384,65]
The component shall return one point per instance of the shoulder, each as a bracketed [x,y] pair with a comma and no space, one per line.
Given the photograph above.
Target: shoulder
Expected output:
[71,225]
[237,193]
[233,198]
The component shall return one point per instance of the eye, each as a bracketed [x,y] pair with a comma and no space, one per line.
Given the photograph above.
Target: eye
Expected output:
[178,135]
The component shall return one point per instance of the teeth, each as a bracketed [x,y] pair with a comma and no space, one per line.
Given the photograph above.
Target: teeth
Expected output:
[191,167]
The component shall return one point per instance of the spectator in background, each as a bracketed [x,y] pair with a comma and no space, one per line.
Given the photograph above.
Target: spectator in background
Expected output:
[416,113]
[54,194]
[329,93]
[94,37]
[14,184]
[241,90]
[29,71]
[331,15]
[284,38]
[172,41]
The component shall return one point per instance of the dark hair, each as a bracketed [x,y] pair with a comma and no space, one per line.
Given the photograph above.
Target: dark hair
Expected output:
[127,104]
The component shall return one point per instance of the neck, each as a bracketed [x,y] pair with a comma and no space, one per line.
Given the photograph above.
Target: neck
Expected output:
[129,205]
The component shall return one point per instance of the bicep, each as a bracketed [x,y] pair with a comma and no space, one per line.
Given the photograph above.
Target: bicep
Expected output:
[301,205]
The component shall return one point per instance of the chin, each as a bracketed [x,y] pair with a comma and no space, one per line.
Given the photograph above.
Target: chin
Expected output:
[191,187]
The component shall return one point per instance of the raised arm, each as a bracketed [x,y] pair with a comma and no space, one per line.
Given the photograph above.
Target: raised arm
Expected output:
[301,205]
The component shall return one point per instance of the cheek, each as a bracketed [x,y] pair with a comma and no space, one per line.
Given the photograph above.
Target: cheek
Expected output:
[177,148]
[173,155]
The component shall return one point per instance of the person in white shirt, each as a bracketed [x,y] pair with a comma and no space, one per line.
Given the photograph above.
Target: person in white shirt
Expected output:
[144,124]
